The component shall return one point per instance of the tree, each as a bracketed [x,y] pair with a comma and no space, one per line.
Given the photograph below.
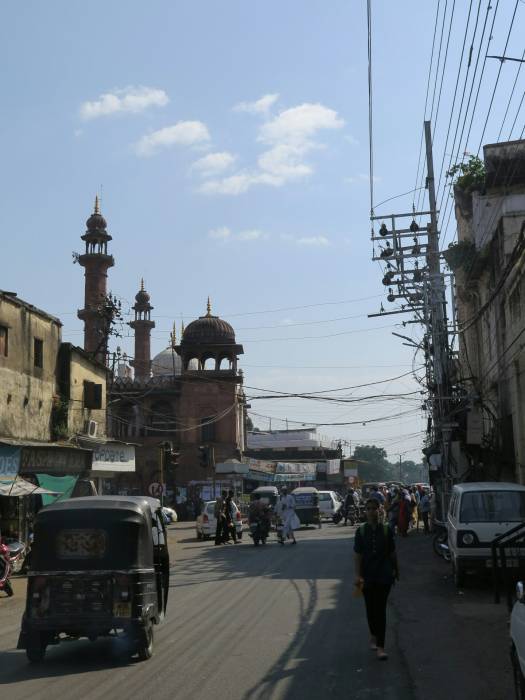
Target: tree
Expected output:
[374,465]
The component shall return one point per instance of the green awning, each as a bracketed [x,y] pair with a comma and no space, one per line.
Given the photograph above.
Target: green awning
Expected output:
[63,485]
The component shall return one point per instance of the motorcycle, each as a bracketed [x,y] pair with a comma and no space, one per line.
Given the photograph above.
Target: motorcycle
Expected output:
[5,570]
[18,553]
[258,531]
[440,541]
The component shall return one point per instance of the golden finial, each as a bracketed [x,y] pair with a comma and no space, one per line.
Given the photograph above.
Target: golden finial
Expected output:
[181,329]
[173,335]
[142,284]
[208,307]
[97,205]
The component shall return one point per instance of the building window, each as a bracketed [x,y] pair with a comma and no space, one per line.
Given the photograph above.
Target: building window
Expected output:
[38,353]
[208,429]
[4,347]
[92,395]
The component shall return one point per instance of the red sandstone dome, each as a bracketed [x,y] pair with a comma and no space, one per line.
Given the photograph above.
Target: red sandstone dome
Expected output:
[208,330]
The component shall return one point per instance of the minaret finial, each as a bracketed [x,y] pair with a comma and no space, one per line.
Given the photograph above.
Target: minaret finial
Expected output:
[173,335]
[208,307]
[97,205]
[142,284]
[181,329]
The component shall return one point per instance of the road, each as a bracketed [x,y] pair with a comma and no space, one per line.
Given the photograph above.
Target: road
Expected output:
[243,623]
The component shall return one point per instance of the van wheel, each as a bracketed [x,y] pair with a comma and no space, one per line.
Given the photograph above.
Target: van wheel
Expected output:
[459,574]
[519,680]
[36,648]
[145,643]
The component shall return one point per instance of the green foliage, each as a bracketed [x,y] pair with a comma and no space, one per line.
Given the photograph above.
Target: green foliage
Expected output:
[374,466]
[470,175]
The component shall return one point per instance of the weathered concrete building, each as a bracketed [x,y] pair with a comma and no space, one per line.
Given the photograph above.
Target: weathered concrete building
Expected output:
[29,343]
[489,266]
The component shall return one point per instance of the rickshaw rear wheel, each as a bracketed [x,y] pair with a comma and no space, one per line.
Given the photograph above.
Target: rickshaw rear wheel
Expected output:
[36,649]
[145,643]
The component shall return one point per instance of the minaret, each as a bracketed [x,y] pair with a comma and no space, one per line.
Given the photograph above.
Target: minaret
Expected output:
[96,263]
[142,326]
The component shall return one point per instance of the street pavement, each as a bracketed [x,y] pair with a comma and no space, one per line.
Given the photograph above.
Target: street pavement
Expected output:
[243,623]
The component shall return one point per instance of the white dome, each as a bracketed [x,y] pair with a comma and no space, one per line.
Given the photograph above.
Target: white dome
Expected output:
[166,364]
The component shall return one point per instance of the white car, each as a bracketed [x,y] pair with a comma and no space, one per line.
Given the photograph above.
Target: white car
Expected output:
[329,503]
[478,512]
[206,522]
[517,636]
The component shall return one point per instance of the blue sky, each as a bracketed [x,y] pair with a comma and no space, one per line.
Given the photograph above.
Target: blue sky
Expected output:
[229,144]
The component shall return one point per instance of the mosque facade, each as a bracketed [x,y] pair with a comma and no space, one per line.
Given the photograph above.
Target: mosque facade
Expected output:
[184,409]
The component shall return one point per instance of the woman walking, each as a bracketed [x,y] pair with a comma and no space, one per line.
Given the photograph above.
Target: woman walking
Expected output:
[376,568]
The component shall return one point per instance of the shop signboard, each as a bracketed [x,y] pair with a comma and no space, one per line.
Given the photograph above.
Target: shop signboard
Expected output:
[295,468]
[9,461]
[113,457]
[54,460]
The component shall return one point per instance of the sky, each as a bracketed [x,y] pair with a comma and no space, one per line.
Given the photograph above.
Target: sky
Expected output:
[228,143]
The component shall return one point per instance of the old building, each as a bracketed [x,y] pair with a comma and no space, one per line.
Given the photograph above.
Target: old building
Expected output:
[489,264]
[29,343]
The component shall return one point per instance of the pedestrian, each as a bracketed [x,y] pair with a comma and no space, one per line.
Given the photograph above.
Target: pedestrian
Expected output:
[350,504]
[220,516]
[405,509]
[286,511]
[229,513]
[376,569]
[424,508]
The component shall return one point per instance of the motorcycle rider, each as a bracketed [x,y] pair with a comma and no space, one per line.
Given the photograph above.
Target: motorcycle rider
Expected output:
[351,501]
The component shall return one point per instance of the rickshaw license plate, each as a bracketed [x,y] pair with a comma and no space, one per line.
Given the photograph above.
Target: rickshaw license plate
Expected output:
[509,562]
[122,609]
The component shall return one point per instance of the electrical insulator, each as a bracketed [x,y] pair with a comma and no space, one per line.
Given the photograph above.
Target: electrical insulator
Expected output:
[383,230]
[390,296]
[413,226]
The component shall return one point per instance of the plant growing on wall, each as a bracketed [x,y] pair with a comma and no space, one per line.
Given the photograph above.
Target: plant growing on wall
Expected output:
[468,176]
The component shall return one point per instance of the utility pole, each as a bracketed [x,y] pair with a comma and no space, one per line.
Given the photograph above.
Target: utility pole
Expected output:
[439,328]
[408,247]
[400,479]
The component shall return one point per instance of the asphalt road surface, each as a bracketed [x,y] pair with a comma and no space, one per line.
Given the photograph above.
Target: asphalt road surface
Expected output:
[243,623]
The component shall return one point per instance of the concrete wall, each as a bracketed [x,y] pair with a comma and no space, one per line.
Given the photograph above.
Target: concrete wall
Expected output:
[26,391]
[83,369]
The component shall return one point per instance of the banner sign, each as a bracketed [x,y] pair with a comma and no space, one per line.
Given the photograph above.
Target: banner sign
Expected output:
[9,461]
[56,460]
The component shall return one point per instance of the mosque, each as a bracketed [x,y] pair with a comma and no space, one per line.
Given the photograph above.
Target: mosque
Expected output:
[190,396]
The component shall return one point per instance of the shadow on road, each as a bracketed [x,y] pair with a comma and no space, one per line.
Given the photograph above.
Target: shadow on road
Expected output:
[65,659]
[327,655]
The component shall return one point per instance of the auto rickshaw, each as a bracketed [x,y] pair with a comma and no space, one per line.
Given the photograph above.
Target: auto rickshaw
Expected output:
[267,494]
[307,505]
[100,567]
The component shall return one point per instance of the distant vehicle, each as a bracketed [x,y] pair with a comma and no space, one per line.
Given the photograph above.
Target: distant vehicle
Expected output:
[267,494]
[307,505]
[329,504]
[170,514]
[517,637]
[206,522]
[477,514]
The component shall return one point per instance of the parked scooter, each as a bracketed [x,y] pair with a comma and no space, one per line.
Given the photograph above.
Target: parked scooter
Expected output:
[18,552]
[5,570]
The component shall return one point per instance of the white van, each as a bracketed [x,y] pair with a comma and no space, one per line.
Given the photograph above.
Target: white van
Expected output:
[477,514]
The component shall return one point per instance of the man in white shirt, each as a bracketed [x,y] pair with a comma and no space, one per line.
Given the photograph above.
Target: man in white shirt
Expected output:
[286,511]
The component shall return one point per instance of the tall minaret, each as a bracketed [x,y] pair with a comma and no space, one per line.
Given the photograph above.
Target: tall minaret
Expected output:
[142,326]
[96,262]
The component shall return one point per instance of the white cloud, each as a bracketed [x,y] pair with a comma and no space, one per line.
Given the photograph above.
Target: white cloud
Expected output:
[220,234]
[188,133]
[223,233]
[125,100]
[298,124]
[319,241]
[214,163]
[260,106]
[289,137]
[251,235]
